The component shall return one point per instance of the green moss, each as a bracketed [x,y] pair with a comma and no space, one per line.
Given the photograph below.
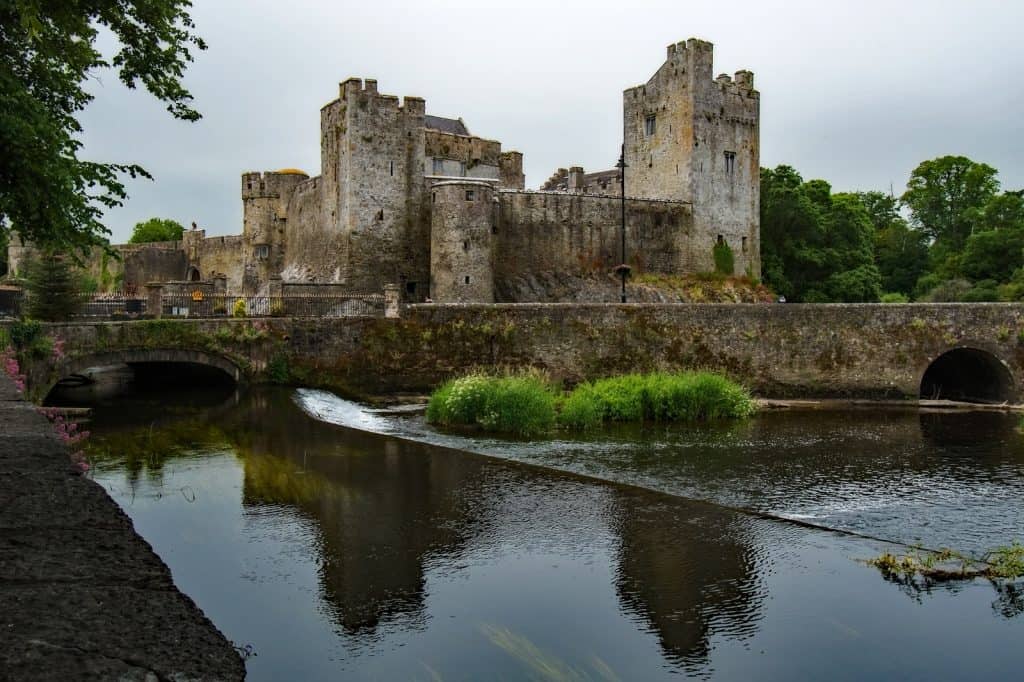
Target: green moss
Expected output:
[1006,563]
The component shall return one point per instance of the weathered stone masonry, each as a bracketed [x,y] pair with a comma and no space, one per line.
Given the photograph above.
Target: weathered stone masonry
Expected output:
[690,142]
[854,350]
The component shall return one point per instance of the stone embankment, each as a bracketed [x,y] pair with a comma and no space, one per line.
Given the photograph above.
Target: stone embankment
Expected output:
[81,594]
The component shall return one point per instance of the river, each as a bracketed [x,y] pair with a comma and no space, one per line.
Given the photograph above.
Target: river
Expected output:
[335,540]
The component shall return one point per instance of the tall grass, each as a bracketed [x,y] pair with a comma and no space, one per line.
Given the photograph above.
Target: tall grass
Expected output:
[528,404]
[660,396]
[522,404]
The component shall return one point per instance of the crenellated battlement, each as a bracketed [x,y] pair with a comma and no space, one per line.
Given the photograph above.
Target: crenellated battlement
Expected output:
[271,184]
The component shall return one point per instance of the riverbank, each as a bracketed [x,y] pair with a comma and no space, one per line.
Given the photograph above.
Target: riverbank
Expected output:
[81,593]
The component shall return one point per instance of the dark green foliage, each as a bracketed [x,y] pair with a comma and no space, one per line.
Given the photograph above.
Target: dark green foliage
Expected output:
[901,253]
[947,291]
[28,338]
[157,230]
[964,242]
[53,288]
[25,332]
[661,396]
[278,370]
[894,297]
[3,253]
[724,261]
[48,194]
[983,291]
[815,245]
[944,196]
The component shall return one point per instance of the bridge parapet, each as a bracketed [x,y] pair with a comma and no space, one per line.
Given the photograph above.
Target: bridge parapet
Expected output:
[834,350]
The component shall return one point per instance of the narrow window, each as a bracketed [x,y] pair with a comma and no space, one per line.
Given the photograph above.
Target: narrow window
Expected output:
[470,195]
[410,288]
[743,245]
[380,214]
[433,198]
[392,164]
[720,240]
[465,280]
[462,169]
[248,185]
[465,246]
[730,162]
[650,124]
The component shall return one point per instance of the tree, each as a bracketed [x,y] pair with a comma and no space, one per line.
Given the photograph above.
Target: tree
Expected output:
[816,246]
[49,195]
[156,230]
[944,195]
[52,288]
[901,252]
[993,254]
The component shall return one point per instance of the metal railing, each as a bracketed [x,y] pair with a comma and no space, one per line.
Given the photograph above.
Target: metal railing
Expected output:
[130,305]
[110,305]
[318,305]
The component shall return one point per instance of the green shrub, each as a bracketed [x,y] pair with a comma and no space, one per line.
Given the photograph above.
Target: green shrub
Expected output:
[526,403]
[522,404]
[661,396]
[724,262]
[25,332]
[894,297]
[278,369]
[238,310]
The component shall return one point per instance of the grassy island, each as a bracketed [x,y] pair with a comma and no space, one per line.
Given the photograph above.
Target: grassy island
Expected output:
[527,403]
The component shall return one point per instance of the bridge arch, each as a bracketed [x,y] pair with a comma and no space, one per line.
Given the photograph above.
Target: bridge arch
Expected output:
[144,356]
[969,374]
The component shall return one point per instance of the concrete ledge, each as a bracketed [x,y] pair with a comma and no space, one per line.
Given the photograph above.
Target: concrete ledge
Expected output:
[81,594]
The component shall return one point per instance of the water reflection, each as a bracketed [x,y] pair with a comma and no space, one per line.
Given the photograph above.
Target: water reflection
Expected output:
[689,581]
[429,563]
[387,512]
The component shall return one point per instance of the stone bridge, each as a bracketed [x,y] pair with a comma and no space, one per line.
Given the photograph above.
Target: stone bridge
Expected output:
[836,350]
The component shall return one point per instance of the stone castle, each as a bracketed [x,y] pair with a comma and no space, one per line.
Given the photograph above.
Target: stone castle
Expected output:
[418,200]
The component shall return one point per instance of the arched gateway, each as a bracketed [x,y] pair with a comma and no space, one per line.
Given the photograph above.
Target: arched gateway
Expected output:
[968,374]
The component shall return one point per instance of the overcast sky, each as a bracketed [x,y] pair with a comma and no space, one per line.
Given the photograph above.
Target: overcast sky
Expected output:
[856,93]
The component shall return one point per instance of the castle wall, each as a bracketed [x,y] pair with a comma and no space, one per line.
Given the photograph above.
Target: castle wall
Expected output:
[141,264]
[265,199]
[462,219]
[313,248]
[221,256]
[511,174]
[453,155]
[383,188]
[580,234]
[692,138]
[726,196]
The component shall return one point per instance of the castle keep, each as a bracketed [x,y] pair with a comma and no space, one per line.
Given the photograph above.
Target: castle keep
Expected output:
[418,200]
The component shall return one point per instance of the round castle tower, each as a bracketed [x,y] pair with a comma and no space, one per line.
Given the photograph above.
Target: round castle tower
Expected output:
[462,214]
[265,209]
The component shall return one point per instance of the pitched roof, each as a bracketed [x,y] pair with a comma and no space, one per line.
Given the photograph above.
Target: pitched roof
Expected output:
[454,126]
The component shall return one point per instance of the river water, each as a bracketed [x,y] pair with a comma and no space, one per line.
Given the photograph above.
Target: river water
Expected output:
[339,541]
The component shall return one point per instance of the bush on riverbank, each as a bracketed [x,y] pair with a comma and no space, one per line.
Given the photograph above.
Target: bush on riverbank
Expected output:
[660,396]
[528,404]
